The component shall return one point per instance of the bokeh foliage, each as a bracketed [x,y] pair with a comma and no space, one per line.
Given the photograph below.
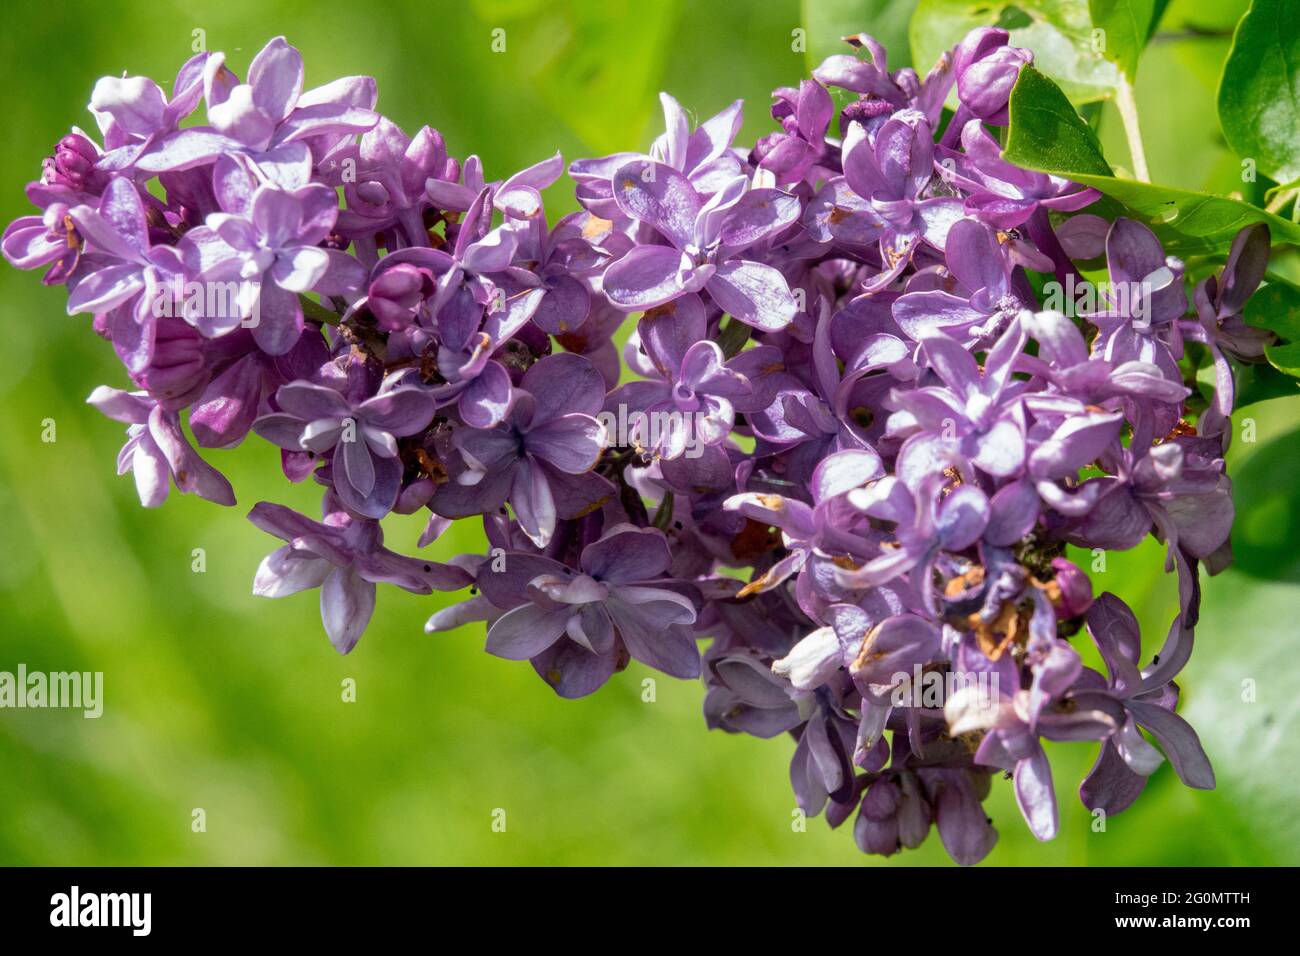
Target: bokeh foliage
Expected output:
[222,701]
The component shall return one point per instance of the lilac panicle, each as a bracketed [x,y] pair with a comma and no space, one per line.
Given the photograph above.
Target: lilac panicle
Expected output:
[846,441]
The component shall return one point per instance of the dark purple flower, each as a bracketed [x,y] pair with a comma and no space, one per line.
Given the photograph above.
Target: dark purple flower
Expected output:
[540,458]
[881,198]
[367,471]
[613,604]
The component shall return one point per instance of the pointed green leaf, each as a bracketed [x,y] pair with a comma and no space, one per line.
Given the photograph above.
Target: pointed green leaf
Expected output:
[1259,93]
[1046,134]
[1127,25]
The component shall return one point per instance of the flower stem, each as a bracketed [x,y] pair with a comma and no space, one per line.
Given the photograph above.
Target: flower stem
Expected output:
[1280,201]
[316,312]
[1127,105]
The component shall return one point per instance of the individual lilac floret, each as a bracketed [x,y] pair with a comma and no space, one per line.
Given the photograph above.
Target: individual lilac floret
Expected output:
[1138,319]
[366,467]
[975,411]
[703,155]
[987,68]
[882,195]
[71,174]
[706,242]
[1002,195]
[386,190]
[269,110]
[1137,698]
[50,239]
[746,697]
[157,451]
[983,304]
[269,248]
[1168,488]
[804,114]
[344,556]
[813,531]
[1064,361]
[540,458]
[614,605]
[1219,301]
[133,112]
[926,520]
[693,402]
[122,273]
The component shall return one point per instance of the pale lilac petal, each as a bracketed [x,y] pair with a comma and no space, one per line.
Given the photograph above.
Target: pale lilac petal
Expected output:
[533,503]
[759,214]
[753,293]
[347,602]
[1035,794]
[287,571]
[653,639]
[308,402]
[660,196]
[526,631]
[572,443]
[646,277]
[1179,742]
[276,76]
[400,411]
[626,553]
[564,384]
[299,268]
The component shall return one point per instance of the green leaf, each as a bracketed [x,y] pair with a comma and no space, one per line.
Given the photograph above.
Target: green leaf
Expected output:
[1045,131]
[1128,25]
[1058,31]
[828,21]
[1276,307]
[1238,684]
[1259,93]
[1047,135]
[1268,510]
[1257,382]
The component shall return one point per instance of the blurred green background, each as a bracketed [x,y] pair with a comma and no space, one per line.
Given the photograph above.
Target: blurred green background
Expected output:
[222,701]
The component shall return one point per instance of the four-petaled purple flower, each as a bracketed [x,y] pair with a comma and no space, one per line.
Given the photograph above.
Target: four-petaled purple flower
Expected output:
[704,245]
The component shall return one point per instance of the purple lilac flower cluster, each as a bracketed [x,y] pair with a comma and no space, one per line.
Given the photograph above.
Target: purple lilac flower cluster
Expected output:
[852,450]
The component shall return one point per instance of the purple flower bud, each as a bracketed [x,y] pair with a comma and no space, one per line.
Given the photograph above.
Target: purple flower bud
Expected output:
[73,166]
[1076,589]
[987,68]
